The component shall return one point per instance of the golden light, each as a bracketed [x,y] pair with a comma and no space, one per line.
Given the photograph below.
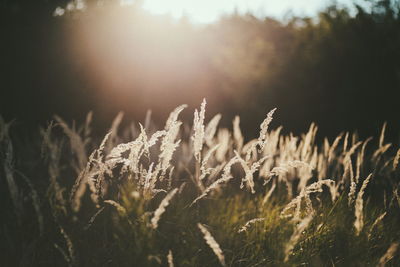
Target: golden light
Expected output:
[208,11]
[205,11]
[135,59]
[139,54]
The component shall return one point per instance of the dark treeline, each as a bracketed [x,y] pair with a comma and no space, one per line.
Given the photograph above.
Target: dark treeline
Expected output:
[340,69]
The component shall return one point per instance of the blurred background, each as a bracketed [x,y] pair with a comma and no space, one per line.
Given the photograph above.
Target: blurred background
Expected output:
[333,63]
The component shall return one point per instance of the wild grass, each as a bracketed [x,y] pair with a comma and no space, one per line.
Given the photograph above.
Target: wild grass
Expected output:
[197,196]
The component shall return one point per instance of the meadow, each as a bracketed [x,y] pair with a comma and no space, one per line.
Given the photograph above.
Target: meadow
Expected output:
[196,194]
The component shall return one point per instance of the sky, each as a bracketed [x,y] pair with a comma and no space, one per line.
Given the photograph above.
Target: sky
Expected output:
[207,11]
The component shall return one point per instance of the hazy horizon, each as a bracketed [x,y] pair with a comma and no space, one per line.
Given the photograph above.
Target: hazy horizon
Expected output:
[208,11]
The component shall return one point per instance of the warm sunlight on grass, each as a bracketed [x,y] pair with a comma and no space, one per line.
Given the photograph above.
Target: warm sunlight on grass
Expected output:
[209,133]
[196,194]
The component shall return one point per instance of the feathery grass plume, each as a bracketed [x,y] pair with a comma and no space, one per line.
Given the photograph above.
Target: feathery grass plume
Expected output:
[117,152]
[359,222]
[93,218]
[161,209]
[46,140]
[78,145]
[226,176]
[378,220]
[169,177]
[333,147]
[351,151]
[360,158]
[173,117]
[382,136]
[296,202]
[114,129]
[308,141]
[300,227]
[205,171]
[70,246]
[70,256]
[326,147]
[348,167]
[271,147]
[317,187]
[351,171]
[64,254]
[353,185]
[249,223]
[215,172]
[285,167]
[396,160]
[86,129]
[354,138]
[96,176]
[309,206]
[121,210]
[136,150]
[304,171]
[147,119]
[322,166]
[87,177]
[395,196]
[380,151]
[182,187]
[168,146]
[249,171]
[52,149]
[211,129]
[352,193]
[345,142]
[154,138]
[364,146]
[315,157]
[387,163]
[149,180]
[250,148]
[145,150]
[237,134]
[224,138]
[212,243]
[278,171]
[133,148]
[268,194]
[170,259]
[100,150]
[264,129]
[389,254]
[79,187]
[115,204]
[198,127]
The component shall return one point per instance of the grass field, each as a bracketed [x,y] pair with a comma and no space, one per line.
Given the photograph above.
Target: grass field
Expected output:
[195,194]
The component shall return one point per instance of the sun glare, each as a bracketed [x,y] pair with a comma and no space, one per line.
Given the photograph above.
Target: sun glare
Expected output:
[207,11]
[204,11]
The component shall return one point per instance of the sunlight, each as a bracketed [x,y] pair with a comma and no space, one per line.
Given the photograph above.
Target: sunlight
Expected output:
[208,11]
[199,11]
